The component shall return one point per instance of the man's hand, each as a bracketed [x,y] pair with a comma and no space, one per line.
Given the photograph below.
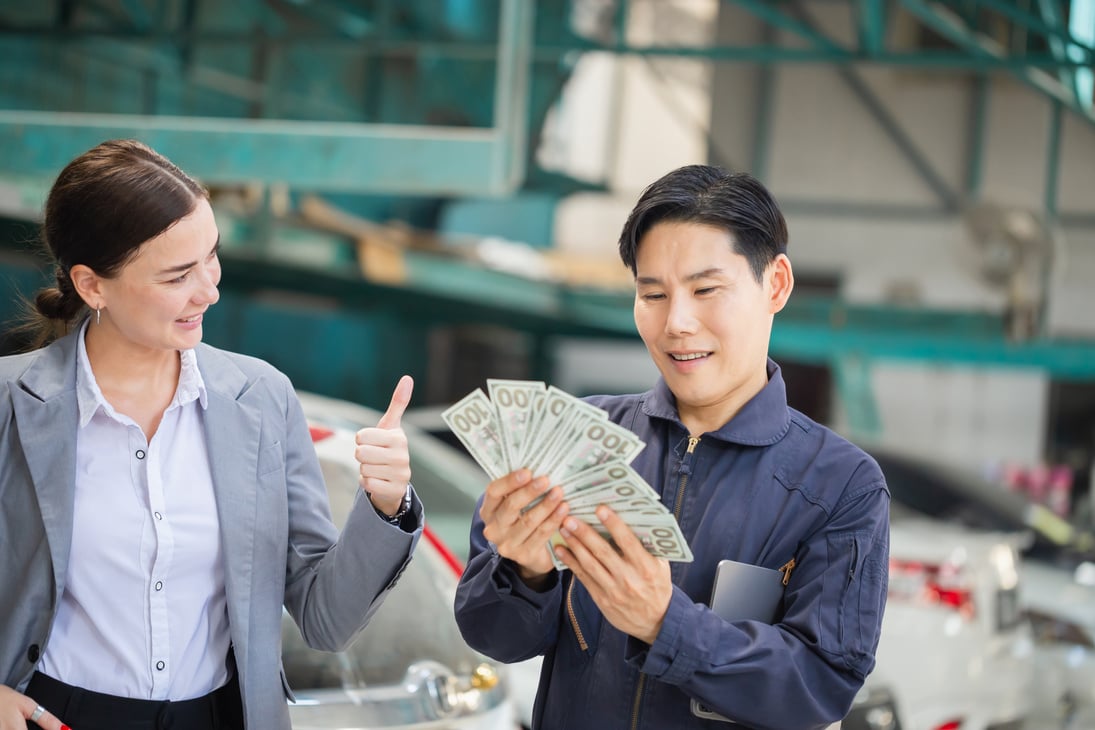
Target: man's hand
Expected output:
[630,586]
[383,455]
[522,537]
[16,709]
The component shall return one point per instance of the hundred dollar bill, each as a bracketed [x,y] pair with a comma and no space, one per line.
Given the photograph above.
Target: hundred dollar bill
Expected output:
[623,498]
[475,423]
[590,443]
[661,537]
[584,481]
[559,409]
[613,471]
[613,492]
[514,402]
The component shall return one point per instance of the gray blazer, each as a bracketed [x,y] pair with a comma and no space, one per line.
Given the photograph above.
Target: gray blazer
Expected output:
[280,546]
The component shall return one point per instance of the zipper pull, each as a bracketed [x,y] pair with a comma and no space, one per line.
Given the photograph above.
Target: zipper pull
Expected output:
[786,569]
[692,441]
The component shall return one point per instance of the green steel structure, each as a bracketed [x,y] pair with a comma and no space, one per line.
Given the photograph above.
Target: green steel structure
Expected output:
[403,105]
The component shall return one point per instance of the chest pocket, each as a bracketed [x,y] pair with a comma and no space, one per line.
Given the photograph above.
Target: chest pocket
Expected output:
[271,459]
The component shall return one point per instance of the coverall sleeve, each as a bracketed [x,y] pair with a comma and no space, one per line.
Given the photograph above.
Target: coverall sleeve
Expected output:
[803,671]
[497,613]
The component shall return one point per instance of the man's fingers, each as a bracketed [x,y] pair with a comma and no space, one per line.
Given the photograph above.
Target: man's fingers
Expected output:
[622,534]
[401,398]
[502,487]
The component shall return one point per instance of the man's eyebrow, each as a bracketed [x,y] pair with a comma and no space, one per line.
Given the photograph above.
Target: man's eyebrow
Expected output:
[705,274]
[183,267]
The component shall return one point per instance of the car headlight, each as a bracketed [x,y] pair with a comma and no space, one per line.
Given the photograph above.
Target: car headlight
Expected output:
[447,694]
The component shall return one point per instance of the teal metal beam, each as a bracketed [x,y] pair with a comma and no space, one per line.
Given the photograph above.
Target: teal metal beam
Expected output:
[308,155]
[817,330]
[619,22]
[1053,163]
[1084,43]
[511,93]
[1082,27]
[1051,14]
[811,330]
[975,137]
[763,111]
[770,13]
[1050,214]
[823,330]
[901,139]
[554,52]
[871,26]
[833,208]
[944,22]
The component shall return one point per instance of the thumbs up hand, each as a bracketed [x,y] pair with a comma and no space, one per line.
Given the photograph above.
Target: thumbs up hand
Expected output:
[381,452]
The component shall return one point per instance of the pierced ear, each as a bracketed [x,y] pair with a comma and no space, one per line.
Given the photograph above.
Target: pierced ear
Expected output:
[88,285]
[781,280]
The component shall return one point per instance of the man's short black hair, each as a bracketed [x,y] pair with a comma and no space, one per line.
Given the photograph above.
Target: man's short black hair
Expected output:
[735,202]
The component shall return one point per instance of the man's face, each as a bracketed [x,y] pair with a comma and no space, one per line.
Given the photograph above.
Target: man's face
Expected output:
[705,319]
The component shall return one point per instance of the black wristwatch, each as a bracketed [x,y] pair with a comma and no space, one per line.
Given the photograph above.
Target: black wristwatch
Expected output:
[404,508]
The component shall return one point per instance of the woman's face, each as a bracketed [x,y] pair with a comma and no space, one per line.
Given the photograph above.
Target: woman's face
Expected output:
[158,299]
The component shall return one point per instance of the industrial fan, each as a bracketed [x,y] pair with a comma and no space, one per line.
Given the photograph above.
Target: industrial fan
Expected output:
[1012,249]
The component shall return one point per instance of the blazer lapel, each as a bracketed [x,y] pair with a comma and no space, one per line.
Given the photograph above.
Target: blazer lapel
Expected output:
[232,430]
[45,411]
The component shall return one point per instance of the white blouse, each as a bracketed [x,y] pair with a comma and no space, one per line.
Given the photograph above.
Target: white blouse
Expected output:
[144,611]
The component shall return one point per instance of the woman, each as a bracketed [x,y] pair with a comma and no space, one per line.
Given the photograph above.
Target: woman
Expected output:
[161,498]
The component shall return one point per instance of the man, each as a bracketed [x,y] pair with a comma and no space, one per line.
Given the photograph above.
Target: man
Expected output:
[628,640]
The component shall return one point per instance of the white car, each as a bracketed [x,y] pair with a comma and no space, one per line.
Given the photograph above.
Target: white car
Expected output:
[449,484]
[955,650]
[1056,592]
[1059,600]
[409,668]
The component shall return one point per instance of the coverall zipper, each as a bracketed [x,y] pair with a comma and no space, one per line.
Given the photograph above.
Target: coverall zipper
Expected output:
[574,619]
[635,704]
[685,471]
[786,569]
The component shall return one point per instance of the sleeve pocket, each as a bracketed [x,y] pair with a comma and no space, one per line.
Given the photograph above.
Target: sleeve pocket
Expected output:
[854,594]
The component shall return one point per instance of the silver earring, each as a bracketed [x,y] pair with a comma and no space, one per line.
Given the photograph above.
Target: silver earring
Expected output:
[98,316]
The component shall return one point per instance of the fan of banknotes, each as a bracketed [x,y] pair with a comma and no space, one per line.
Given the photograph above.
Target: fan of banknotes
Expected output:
[525,423]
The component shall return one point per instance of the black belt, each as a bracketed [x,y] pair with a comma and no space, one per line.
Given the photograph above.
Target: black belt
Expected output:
[83,709]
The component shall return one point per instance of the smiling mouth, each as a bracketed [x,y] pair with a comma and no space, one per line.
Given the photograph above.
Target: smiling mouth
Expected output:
[688,356]
[195,318]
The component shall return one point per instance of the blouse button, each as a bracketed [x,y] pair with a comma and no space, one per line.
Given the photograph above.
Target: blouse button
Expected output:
[160,665]
[140,453]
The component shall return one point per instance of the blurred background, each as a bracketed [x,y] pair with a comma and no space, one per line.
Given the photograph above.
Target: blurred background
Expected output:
[436,187]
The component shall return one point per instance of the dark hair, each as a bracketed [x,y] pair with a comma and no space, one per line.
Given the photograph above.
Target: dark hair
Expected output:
[734,202]
[103,206]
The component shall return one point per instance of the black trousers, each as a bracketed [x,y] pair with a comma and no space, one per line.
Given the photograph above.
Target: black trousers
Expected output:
[83,709]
